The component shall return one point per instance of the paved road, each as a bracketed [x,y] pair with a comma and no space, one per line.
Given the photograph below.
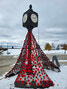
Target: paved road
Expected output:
[6,63]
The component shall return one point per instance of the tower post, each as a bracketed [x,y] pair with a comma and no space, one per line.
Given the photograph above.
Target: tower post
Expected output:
[29,52]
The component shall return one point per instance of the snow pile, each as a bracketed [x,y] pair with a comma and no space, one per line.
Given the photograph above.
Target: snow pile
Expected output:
[12,52]
[59,79]
[17,52]
[55,52]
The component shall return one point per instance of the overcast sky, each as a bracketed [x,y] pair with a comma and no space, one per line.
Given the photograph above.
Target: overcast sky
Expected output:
[52,20]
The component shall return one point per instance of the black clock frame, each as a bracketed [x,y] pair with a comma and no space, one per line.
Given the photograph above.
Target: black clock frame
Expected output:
[29,24]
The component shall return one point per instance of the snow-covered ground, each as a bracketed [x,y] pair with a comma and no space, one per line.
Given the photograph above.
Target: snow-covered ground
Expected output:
[17,52]
[12,52]
[60,52]
[59,79]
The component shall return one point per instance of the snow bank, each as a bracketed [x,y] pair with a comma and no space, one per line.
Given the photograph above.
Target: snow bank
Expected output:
[17,52]
[55,52]
[12,52]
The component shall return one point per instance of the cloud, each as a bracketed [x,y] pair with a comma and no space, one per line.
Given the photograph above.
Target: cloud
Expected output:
[52,20]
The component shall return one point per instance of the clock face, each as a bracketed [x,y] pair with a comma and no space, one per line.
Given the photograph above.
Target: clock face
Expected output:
[24,18]
[34,18]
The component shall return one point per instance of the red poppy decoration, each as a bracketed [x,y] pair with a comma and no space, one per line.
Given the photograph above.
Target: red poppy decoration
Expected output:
[32,73]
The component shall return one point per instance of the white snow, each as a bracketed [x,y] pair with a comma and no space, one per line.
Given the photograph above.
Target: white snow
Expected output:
[60,60]
[12,52]
[55,52]
[17,52]
[59,79]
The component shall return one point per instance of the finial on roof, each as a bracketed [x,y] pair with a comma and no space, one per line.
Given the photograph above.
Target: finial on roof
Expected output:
[30,6]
